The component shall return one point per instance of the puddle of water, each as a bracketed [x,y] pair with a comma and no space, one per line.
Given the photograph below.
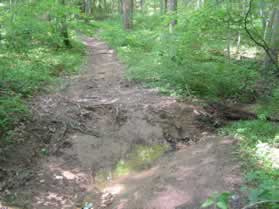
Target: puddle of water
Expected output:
[139,159]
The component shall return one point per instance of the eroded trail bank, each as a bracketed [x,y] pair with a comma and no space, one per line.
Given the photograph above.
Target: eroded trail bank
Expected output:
[116,145]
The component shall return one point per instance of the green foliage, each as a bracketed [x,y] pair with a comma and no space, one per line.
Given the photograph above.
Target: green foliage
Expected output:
[250,132]
[193,61]
[32,52]
[258,147]
[178,62]
[23,74]
[269,105]
[218,201]
[28,25]
[11,107]
[262,187]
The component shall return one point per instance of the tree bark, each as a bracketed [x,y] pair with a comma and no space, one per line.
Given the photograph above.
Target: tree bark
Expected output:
[165,6]
[128,14]
[263,14]
[200,4]
[64,28]
[120,6]
[238,44]
[172,9]
[161,7]
[88,7]
[272,39]
[270,48]
[218,114]
[142,5]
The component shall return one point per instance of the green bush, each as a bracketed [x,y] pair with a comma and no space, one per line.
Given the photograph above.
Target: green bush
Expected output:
[33,52]
[23,74]
[185,63]
[258,141]
[11,109]
[170,62]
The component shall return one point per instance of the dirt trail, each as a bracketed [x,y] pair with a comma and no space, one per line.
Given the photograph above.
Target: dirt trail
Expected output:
[117,145]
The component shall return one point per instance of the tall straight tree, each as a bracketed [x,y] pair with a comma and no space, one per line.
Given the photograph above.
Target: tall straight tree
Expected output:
[200,3]
[128,14]
[142,5]
[165,6]
[161,7]
[64,27]
[88,7]
[120,7]
[272,39]
[172,9]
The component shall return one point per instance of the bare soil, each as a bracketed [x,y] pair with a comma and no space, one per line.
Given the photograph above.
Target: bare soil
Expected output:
[68,152]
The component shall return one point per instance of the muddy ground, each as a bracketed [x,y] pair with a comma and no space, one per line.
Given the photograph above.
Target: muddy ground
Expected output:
[104,140]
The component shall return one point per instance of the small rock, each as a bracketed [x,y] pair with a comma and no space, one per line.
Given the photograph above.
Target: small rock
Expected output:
[59,177]
[107,199]
[235,200]
[107,195]
[88,206]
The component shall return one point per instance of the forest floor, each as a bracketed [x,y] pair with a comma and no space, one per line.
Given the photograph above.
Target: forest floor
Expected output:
[115,144]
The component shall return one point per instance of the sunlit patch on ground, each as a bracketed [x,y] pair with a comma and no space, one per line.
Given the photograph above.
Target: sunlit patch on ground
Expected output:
[268,153]
[139,159]
[53,200]
[115,189]
[244,51]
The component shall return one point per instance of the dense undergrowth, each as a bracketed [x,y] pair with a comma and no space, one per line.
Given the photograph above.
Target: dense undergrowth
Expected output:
[22,75]
[191,62]
[32,54]
[179,63]
[258,148]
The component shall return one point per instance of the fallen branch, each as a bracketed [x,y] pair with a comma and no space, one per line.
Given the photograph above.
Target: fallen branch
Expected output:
[224,112]
[261,202]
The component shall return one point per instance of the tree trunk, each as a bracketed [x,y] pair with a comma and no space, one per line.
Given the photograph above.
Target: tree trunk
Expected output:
[221,111]
[142,5]
[172,9]
[120,6]
[264,15]
[106,7]
[128,14]
[200,4]
[272,38]
[165,6]
[64,28]
[228,40]
[268,29]
[238,45]
[172,5]
[88,7]
[161,7]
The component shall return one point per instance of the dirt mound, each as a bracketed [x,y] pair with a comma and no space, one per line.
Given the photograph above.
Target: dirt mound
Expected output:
[103,140]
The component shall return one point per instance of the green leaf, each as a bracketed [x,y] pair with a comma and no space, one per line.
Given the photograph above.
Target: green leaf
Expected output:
[208,202]
[224,197]
[222,205]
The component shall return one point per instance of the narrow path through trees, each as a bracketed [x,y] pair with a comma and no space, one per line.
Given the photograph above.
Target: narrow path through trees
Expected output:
[117,145]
